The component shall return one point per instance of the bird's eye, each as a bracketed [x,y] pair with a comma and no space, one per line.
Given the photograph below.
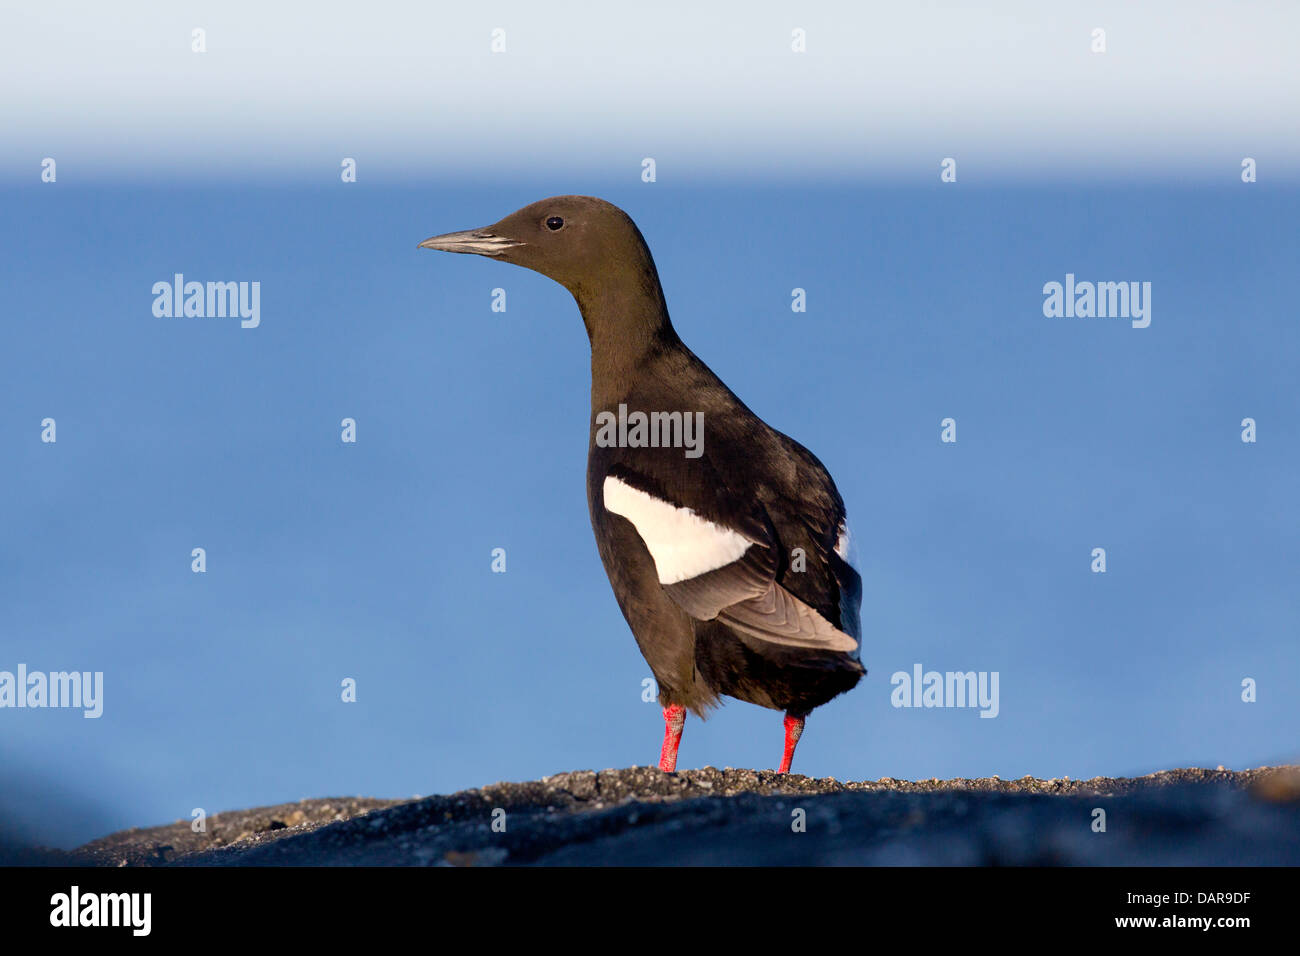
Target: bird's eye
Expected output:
[555,222]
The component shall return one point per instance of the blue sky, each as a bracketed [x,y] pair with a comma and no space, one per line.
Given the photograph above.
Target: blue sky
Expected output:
[372,560]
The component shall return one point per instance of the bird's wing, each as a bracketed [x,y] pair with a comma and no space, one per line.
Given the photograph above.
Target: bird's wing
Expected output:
[723,567]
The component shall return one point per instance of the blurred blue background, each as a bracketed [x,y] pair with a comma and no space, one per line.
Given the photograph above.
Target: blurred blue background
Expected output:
[373,561]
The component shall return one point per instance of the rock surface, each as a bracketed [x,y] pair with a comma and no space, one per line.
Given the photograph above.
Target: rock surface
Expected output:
[640,816]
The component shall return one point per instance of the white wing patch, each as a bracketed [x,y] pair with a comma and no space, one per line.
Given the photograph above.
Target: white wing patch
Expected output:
[683,544]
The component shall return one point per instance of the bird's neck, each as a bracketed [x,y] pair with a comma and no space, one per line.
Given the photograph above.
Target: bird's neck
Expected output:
[628,327]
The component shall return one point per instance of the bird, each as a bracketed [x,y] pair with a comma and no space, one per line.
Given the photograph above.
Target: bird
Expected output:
[725,541]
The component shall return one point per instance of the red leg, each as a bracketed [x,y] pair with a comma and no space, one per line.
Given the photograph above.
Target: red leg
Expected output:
[793,730]
[674,720]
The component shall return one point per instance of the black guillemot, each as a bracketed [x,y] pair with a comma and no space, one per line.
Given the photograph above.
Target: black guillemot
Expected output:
[724,540]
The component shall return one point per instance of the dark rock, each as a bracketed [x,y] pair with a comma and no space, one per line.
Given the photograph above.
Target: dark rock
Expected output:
[641,816]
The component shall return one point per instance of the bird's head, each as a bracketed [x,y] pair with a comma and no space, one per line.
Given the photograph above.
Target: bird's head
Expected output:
[581,242]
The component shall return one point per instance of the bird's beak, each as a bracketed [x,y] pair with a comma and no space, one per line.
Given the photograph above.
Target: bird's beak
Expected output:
[480,242]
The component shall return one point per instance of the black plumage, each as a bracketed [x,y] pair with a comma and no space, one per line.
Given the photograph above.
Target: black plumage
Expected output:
[729,561]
